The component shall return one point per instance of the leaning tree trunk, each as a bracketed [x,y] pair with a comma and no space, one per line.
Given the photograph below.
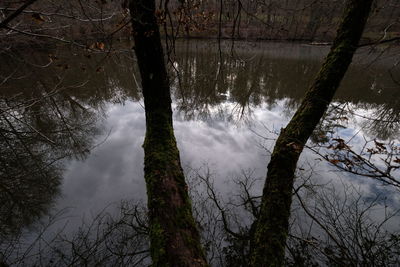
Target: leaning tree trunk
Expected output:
[174,239]
[271,228]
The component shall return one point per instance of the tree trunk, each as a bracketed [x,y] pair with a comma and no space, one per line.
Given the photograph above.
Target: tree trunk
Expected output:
[174,238]
[268,242]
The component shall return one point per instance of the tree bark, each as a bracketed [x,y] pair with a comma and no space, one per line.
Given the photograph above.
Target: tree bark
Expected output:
[174,238]
[16,13]
[271,228]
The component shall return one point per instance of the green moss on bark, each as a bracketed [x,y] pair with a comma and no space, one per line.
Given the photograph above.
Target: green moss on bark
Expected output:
[174,238]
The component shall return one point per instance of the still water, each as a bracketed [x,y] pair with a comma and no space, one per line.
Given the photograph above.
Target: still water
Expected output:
[72,122]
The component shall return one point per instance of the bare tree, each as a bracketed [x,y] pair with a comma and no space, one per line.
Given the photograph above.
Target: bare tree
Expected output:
[268,248]
[175,240]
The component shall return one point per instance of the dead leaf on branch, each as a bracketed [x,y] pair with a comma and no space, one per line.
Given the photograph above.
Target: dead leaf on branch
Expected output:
[339,140]
[340,144]
[379,145]
[38,18]
[97,45]
[100,45]
[53,57]
[334,161]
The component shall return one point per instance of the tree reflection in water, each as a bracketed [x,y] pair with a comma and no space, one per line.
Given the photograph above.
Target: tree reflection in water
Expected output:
[54,114]
[258,76]
[47,116]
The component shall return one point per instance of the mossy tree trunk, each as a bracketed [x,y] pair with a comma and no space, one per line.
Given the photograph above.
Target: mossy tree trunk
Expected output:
[175,241]
[271,228]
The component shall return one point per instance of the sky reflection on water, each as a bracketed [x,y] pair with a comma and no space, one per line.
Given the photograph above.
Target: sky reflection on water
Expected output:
[217,119]
[114,170]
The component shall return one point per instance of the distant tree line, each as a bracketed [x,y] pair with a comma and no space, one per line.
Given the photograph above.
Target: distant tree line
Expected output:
[105,20]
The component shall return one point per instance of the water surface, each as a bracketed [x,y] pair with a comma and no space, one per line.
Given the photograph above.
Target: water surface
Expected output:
[71,132]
